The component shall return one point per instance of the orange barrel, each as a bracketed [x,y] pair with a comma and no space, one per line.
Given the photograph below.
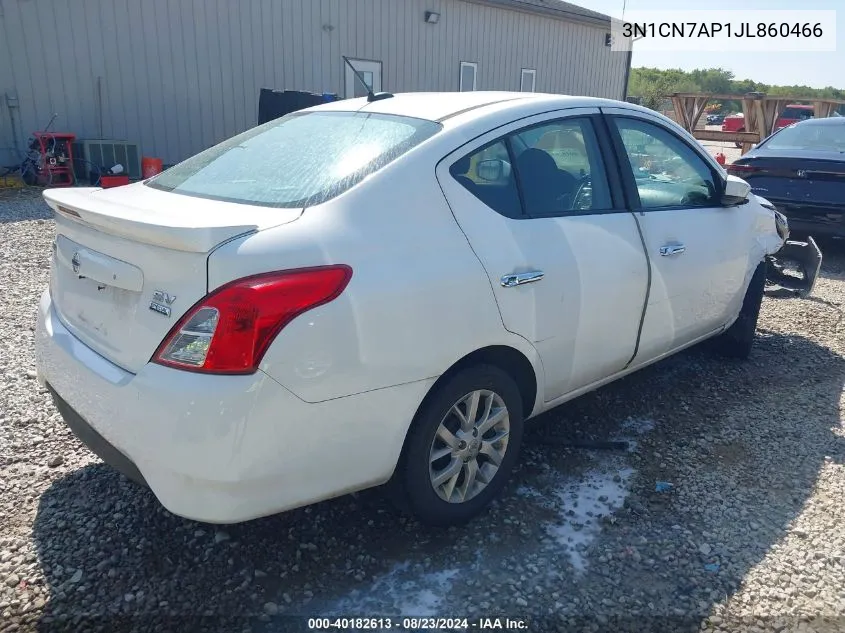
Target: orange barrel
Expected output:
[150,167]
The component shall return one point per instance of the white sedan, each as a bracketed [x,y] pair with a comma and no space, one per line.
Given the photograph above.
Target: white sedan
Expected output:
[376,291]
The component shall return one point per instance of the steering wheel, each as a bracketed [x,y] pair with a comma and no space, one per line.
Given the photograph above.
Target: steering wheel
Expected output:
[693,198]
[698,198]
[585,182]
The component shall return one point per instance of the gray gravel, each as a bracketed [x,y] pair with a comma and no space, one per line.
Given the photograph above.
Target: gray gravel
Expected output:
[748,530]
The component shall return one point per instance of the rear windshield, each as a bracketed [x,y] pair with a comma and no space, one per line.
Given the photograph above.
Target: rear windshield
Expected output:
[298,160]
[809,136]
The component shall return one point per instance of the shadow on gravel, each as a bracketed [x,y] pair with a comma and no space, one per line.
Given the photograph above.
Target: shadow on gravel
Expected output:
[115,560]
[833,259]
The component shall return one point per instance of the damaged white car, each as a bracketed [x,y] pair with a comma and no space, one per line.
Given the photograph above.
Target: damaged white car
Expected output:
[385,289]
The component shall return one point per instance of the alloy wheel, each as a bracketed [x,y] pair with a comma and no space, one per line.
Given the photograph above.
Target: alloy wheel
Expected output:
[469,446]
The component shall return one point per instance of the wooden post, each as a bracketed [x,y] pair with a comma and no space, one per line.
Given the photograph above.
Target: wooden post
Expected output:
[699,104]
[760,111]
[755,116]
[774,107]
[688,109]
[822,109]
[679,105]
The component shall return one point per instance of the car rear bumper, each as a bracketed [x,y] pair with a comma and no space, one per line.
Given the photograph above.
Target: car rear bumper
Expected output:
[99,445]
[826,221]
[222,449]
[816,228]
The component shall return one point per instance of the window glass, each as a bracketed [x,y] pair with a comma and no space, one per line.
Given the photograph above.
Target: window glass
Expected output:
[527,80]
[301,159]
[560,169]
[361,91]
[812,136]
[668,173]
[487,174]
[797,113]
[467,77]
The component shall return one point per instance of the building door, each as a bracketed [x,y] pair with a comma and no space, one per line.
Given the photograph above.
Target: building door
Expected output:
[369,70]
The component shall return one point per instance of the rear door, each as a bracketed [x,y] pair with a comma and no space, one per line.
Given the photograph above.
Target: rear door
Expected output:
[542,209]
[699,250]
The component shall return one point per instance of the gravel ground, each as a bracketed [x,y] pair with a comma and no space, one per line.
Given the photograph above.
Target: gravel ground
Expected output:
[724,513]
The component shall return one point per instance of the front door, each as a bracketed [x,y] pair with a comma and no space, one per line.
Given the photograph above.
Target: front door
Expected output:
[371,73]
[698,249]
[546,218]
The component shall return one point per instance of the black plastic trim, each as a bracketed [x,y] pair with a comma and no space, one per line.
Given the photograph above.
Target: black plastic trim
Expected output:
[99,445]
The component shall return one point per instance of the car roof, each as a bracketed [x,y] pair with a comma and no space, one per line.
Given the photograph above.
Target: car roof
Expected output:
[439,106]
[834,120]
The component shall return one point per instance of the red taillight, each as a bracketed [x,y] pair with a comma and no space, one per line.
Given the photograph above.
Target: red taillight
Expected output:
[229,330]
[741,170]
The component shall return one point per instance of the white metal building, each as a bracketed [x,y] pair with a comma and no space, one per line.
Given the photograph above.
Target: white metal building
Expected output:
[177,76]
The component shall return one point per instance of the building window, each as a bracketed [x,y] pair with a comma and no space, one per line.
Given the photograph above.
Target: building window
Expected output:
[526,83]
[469,72]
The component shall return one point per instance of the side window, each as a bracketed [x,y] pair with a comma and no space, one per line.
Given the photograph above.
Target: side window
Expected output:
[560,169]
[487,174]
[667,172]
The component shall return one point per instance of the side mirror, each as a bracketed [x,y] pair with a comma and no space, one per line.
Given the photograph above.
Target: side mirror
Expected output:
[736,191]
[492,170]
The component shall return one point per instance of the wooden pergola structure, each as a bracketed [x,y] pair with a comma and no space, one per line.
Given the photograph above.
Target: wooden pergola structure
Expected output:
[760,111]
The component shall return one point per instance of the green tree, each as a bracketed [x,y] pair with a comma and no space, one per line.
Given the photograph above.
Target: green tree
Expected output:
[653,85]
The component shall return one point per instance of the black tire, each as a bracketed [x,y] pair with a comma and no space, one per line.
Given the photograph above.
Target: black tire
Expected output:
[737,340]
[413,479]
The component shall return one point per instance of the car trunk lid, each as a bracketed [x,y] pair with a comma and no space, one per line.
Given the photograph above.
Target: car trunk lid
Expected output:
[794,177]
[129,261]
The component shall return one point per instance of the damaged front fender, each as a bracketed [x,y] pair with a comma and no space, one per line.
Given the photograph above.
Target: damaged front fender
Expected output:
[803,258]
[795,265]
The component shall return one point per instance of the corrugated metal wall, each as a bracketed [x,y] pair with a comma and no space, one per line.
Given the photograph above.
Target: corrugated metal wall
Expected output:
[180,75]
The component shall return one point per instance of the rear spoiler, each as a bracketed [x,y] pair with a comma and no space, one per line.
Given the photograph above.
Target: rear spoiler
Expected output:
[181,231]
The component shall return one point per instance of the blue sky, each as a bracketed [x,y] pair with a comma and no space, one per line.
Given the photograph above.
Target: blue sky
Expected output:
[811,69]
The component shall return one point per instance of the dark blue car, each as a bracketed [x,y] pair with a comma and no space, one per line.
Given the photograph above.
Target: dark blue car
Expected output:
[801,170]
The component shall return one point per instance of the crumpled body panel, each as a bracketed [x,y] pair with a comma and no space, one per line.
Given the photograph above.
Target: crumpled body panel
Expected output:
[792,264]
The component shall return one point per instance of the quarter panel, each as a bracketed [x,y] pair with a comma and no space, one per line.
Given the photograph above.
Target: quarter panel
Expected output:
[418,300]
[227,448]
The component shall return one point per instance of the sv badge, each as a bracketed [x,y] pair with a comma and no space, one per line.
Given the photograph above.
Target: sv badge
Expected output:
[161,302]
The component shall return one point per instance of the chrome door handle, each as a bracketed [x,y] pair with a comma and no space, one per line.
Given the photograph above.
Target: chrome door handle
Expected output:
[672,249]
[517,279]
